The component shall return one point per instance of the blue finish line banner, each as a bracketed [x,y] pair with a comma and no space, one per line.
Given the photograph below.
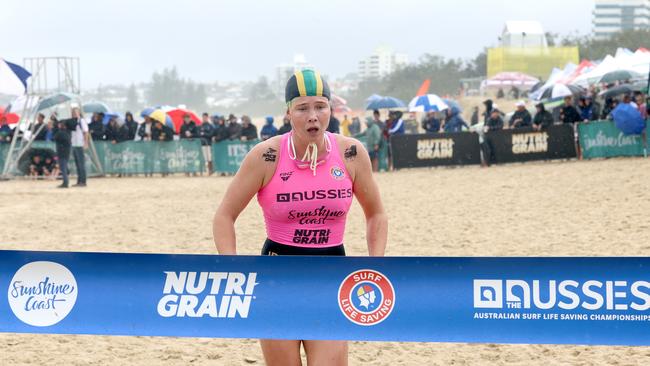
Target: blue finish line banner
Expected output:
[594,301]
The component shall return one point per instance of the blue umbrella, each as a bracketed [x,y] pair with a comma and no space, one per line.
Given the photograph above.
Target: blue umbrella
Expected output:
[385,103]
[54,100]
[628,119]
[108,116]
[96,107]
[147,111]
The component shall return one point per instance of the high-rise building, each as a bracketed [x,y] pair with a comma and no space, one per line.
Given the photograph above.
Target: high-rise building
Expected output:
[283,73]
[613,16]
[381,63]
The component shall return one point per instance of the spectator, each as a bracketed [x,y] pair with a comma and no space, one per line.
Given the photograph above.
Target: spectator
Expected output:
[36,166]
[188,128]
[543,118]
[6,132]
[286,126]
[376,118]
[162,132]
[62,139]
[206,132]
[50,129]
[145,131]
[220,130]
[397,128]
[639,98]
[500,94]
[49,167]
[488,110]
[521,117]
[234,128]
[455,122]
[474,119]
[373,141]
[39,128]
[96,127]
[586,109]
[355,126]
[431,124]
[80,142]
[129,127]
[569,113]
[268,130]
[345,126]
[494,123]
[334,125]
[112,131]
[610,104]
[248,130]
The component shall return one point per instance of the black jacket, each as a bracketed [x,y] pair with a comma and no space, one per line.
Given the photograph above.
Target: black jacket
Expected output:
[494,124]
[220,133]
[286,127]
[543,118]
[97,130]
[188,128]
[63,142]
[129,128]
[525,117]
[206,131]
[334,125]
[234,131]
[570,114]
[249,132]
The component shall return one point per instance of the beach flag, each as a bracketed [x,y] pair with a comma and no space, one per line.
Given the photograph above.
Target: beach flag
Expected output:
[424,88]
[13,78]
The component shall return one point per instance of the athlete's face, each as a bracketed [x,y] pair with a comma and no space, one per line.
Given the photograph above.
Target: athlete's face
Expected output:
[309,117]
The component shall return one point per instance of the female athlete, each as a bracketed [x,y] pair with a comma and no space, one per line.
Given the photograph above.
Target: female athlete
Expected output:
[304,181]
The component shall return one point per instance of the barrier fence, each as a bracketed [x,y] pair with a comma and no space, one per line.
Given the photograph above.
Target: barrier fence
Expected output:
[597,139]
[602,139]
[594,301]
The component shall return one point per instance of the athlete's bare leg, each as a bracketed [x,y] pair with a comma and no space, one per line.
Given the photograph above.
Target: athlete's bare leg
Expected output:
[326,353]
[281,352]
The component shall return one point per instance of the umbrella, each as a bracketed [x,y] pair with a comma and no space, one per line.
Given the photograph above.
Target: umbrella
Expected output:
[628,119]
[385,103]
[560,91]
[147,112]
[110,115]
[427,103]
[619,90]
[11,118]
[618,75]
[453,104]
[13,78]
[96,107]
[177,117]
[54,100]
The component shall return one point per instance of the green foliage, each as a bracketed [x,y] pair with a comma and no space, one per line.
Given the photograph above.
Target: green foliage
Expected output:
[168,88]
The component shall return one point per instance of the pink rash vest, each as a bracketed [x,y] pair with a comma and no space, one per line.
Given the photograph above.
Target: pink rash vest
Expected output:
[303,209]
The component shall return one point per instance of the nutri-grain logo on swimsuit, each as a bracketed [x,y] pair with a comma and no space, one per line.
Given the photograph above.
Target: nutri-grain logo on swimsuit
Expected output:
[366,297]
[42,293]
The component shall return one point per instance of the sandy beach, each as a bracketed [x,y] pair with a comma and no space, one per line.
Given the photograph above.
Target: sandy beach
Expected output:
[590,208]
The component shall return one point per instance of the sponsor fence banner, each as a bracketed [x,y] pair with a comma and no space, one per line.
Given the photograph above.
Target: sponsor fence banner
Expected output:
[424,150]
[228,155]
[595,301]
[601,139]
[525,144]
[138,157]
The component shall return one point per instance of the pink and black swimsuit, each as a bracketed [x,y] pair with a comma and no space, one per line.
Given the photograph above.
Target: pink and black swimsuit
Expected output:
[304,212]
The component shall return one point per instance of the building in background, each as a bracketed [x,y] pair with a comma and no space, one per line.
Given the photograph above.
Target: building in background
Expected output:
[523,48]
[381,63]
[613,16]
[283,73]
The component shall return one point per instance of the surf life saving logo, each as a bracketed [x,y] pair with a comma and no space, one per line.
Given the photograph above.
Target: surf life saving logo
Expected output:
[337,173]
[366,297]
[42,293]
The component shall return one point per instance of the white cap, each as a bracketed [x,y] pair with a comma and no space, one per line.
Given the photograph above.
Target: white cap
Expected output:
[520,103]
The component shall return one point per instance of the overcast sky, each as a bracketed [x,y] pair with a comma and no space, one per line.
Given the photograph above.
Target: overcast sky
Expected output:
[123,41]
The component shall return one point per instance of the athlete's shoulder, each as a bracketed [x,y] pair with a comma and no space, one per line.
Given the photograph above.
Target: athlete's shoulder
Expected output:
[350,146]
[267,150]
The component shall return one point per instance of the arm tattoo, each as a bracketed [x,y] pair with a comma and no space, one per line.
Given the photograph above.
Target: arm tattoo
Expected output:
[351,152]
[270,154]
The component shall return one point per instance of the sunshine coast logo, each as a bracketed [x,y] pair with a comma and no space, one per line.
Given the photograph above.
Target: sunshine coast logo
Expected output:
[337,173]
[42,294]
[366,297]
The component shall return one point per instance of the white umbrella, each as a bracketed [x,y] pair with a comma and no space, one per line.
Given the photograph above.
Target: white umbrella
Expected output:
[427,103]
